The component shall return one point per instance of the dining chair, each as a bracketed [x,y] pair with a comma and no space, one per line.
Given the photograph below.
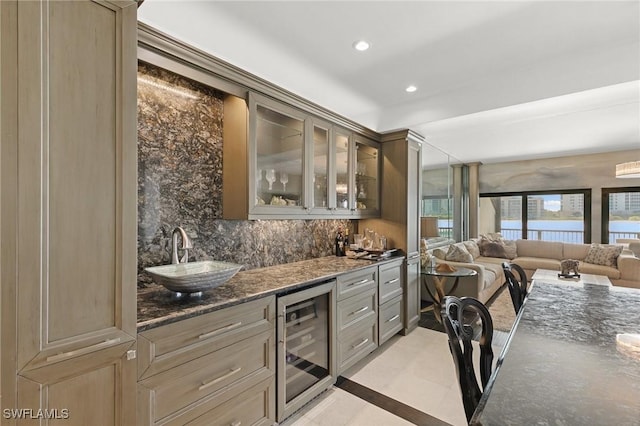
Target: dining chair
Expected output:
[464,320]
[517,287]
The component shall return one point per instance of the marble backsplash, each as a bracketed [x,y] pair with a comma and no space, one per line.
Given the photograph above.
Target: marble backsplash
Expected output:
[180,184]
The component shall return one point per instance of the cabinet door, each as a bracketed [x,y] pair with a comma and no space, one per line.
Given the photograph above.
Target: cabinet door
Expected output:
[74,241]
[277,157]
[411,295]
[320,166]
[366,177]
[414,191]
[342,188]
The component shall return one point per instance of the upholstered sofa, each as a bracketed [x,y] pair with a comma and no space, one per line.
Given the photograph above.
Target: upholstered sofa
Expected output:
[532,255]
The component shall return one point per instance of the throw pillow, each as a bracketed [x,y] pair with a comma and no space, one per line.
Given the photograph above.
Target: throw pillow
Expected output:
[439,253]
[504,249]
[605,255]
[510,249]
[458,253]
[472,248]
[492,249]
[491,236]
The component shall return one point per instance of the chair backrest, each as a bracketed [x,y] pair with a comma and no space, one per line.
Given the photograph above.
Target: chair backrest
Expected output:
[517,287]
[460,318]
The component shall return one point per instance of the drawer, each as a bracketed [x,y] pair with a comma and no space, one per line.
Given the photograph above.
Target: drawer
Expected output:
[390,282]
[354,282]
[358,309]
[217,376]
[355,344]
[253,407]
[167,346]
[390,319]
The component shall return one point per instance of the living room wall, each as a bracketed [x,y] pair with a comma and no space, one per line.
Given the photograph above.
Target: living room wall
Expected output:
[589,171]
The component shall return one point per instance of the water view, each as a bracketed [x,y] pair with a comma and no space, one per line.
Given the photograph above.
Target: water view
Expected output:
[571,231]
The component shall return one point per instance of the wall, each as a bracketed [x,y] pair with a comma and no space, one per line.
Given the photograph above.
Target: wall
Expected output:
[180,184]
[594,171]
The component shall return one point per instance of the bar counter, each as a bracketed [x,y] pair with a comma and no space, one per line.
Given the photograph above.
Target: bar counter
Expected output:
[564,364]
[158,306]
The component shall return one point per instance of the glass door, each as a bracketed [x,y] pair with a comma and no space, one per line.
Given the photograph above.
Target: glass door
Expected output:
[340,190]
[366,173]
[278,134]
[320,166]
[306,360]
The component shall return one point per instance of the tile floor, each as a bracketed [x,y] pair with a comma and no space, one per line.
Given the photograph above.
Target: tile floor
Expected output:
[416,370]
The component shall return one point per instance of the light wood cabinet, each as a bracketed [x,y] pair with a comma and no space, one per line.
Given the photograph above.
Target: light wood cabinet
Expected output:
[390,291]
[69,194]
[291,164]
[200,367]
[357,316]
[400,212]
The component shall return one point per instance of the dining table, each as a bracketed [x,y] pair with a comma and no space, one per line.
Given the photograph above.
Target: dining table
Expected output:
[572,357]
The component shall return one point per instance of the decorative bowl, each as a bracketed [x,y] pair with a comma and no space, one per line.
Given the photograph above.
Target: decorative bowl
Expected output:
[193,277]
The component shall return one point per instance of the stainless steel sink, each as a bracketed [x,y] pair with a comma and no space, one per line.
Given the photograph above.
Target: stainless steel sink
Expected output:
[193,277]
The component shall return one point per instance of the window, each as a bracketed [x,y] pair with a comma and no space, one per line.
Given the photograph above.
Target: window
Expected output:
[620,214]
[542,215]
[440,207]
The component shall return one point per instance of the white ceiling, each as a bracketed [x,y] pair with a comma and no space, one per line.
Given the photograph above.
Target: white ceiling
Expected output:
[497,80]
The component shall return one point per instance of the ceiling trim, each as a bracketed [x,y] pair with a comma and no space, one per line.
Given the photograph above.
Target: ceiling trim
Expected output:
[156,41]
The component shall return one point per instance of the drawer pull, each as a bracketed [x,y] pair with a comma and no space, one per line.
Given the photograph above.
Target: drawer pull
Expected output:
[219,379]
[220,330]
[236,423]
[358,282]
[393,318]
[360,344]
[395,280]
[364,308]
[83,351]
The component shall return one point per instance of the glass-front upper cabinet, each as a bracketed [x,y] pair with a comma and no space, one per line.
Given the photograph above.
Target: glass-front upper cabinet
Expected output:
[321,166]
[299,166]
[342,190]
[277,157]
[366,177]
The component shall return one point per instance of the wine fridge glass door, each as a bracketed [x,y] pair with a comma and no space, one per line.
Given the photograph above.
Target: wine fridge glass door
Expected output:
[306,364]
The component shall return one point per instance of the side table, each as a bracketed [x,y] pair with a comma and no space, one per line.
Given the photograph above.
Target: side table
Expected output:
[440,279]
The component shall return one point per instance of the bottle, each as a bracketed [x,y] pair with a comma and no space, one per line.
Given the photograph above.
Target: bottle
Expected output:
[340,251]
[346,239]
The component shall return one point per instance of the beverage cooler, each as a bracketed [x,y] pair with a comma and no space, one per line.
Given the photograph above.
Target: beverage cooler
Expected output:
[306,363]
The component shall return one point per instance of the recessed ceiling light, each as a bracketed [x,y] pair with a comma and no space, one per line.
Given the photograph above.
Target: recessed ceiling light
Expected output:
[361,45]
[411,88]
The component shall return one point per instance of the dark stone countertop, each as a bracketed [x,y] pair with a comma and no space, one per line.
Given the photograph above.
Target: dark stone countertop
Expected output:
[158,306]
[563,365]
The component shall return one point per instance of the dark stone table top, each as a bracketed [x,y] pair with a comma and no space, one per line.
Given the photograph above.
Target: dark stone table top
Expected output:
[562,365]
[158,306]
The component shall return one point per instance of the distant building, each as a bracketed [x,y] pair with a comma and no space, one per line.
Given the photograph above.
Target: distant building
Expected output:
[624,202]
[571,203]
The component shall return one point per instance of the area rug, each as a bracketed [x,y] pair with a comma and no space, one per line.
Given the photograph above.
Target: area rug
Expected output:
[500,308]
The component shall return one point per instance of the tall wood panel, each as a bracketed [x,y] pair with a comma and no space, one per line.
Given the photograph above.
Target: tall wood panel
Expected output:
[69,160]
[400,215]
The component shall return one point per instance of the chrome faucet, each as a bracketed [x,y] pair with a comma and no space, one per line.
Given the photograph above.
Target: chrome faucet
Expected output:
[186,245]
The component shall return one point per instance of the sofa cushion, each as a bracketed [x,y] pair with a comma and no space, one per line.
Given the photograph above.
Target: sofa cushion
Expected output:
[458,253]
[488,279]
[590,268]
[575,251]
[495,269]
[502,249]
[540,249]
[533,263]
[606,255]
